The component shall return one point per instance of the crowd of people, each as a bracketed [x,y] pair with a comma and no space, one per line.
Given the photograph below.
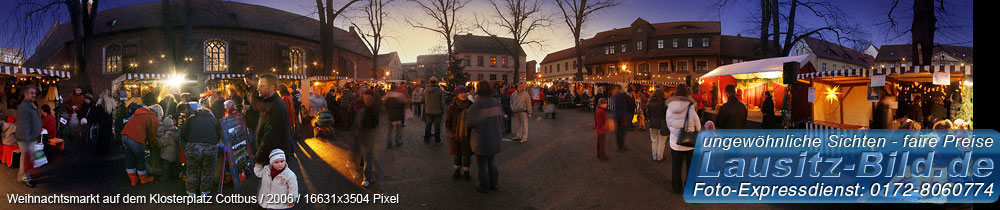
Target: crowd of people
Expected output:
[185,128]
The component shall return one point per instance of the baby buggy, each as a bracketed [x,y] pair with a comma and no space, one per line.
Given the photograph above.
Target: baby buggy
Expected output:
[323,125]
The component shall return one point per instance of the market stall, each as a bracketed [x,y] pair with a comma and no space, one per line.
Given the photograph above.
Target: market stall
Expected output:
[751,79]
[291,79]
[840,98]
[918,89]
[12,77]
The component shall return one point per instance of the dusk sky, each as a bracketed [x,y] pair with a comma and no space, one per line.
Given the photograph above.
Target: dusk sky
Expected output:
[410,42]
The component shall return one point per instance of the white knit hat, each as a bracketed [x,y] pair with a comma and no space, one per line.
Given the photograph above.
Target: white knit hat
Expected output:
[276,154]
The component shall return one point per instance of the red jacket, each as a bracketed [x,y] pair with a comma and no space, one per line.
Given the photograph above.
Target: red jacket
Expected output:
[600,119]
[291,108]
[698,98]
[49,124]
[142,126]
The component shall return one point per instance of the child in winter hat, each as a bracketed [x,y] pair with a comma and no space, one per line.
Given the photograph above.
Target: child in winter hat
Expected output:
[276,179]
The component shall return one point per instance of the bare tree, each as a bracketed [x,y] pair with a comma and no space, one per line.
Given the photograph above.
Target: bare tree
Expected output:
[834,21]
[929,21]
[575,14]
[519,18]
[375,15]
[327,16]
[445,24]
[81,14]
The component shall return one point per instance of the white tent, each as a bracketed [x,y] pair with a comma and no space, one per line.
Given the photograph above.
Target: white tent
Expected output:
[764,68]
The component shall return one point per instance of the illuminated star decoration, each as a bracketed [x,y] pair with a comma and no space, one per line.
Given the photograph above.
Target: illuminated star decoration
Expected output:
[831,94]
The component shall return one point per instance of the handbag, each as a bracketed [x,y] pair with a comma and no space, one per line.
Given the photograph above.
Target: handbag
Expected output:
[687,138]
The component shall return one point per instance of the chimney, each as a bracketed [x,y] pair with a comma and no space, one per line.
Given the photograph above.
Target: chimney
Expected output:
[468,34]
[739,35]
[351,29]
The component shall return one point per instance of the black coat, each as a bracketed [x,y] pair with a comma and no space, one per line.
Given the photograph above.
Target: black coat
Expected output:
[656,112]
[272,128]
[732,115]
[395,107]
[768,121]
[937,112]
[881,118]
[218,107]
[202,128]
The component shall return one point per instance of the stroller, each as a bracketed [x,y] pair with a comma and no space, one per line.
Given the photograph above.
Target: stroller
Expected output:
[323,125]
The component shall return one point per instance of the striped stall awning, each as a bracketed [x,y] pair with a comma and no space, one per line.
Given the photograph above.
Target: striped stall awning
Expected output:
[655,83]
[836,73]
[137,76]
[225,76]
[964,69]
[291,76]
[325,78]
[368,79]
[16,70]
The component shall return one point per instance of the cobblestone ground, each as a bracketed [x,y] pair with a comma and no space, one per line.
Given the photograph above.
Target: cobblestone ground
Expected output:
[555,169]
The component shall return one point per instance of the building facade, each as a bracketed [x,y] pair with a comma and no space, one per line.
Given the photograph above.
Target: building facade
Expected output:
[390,67]
[225,38]
[490,58]
[11,56]
[559,66]
[434,65]
[532,70]
[664,52]
[891,56]
[829,56]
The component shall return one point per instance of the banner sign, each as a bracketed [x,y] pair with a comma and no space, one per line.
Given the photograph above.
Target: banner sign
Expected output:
[844,166]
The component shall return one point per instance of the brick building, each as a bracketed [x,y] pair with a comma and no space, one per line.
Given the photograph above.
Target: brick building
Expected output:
[225,38]
[665,52]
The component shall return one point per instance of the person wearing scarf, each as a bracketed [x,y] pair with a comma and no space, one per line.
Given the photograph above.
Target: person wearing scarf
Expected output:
[458,133]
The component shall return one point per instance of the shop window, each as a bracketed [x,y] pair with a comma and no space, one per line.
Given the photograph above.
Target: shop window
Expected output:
[215,56]
[113,58]
[295,58]
[664,66]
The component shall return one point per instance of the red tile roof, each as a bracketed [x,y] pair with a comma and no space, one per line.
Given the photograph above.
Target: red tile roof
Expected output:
[829,50]
[561,55]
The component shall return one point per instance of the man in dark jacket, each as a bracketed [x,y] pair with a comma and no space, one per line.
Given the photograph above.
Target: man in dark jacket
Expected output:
[28,133]
[297,106]
[251,114]
[363,130]
[733,114]
[273,130]
[768,120]
[485,118]
[218,107]
[433,110]
[201,132]
[882,116]
[624,109]
[507,112]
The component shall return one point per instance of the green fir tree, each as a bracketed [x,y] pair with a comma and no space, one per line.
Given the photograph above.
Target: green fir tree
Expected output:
[455,77]
[965,110]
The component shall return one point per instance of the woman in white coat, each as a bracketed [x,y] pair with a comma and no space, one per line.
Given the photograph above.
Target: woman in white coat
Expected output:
[680,106]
